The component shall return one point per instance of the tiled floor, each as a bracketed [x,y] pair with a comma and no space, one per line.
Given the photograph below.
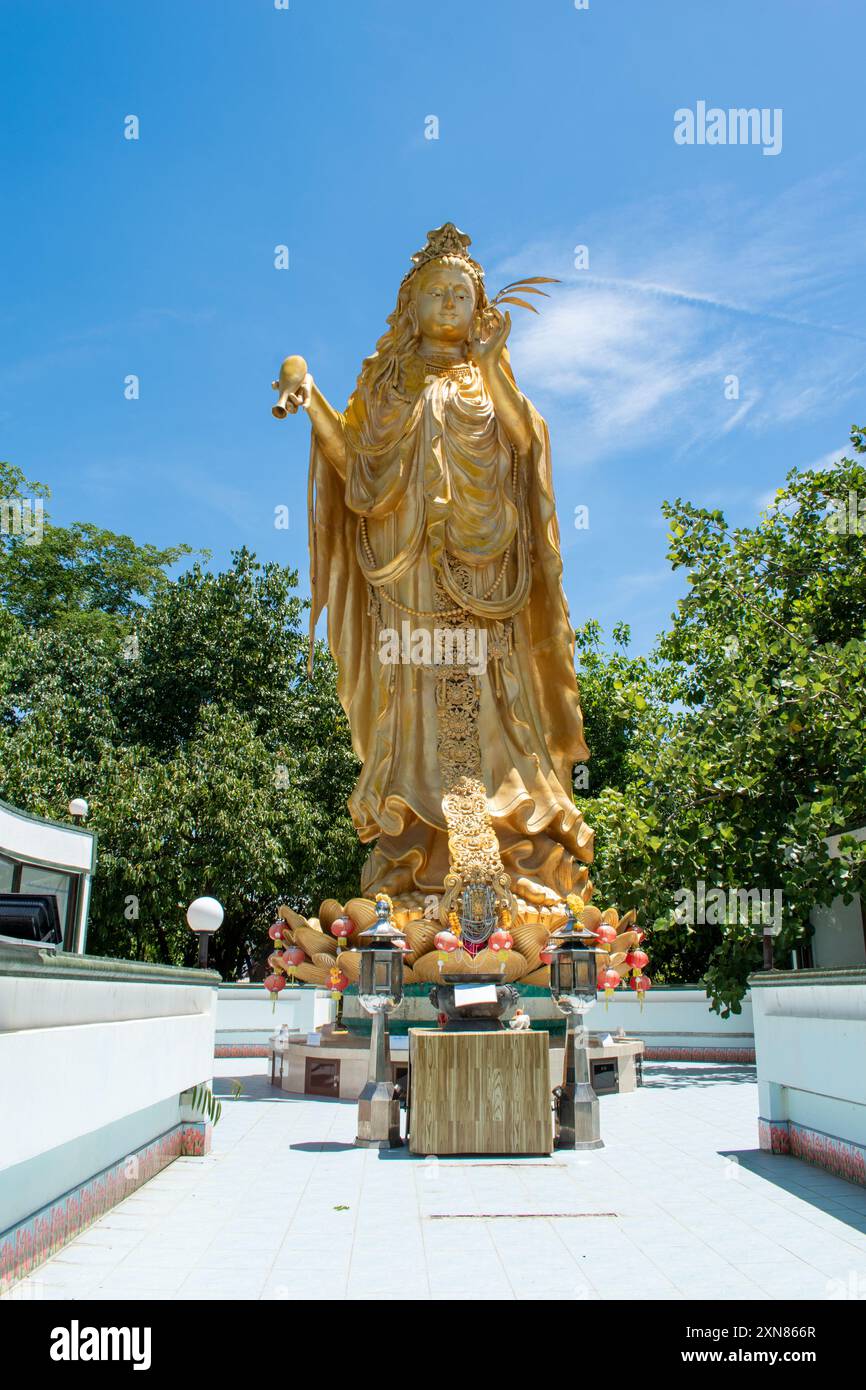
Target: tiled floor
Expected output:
[680,1203]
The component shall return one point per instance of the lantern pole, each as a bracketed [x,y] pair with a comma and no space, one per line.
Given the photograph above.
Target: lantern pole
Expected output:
[573,987]
[380,989]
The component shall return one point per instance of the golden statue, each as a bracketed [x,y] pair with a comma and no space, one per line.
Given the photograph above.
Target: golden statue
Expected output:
[435,548]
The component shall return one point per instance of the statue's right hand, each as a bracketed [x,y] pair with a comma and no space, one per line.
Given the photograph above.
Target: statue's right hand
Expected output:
[292,379]
[300,398]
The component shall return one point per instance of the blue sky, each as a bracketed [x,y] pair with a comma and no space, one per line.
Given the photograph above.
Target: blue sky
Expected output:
[306,127]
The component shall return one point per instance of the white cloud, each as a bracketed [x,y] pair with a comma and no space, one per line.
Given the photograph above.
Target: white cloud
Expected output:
[680,297]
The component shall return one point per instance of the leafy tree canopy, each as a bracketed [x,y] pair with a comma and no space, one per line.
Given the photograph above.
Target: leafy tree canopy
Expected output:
[79,577]
[181,708]
[750,748]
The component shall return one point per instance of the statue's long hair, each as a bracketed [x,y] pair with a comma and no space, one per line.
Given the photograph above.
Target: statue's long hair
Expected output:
[384,369]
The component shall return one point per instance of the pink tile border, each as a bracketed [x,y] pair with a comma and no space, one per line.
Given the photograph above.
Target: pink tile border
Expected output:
[842,1157]
[241,1050]
[32,1241]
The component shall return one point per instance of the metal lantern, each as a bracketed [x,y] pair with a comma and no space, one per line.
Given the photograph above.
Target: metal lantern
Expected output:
[380,986]
[573,969]
[380,989]
[573,986]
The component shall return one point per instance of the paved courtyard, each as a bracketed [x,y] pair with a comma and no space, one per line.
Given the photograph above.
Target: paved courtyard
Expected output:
[680,1203]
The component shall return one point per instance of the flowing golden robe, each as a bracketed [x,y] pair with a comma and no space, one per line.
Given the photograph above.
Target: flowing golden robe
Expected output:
[436,508]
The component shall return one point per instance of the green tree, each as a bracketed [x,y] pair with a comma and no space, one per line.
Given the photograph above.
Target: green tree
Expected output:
[615,692]
[80,577]
[757,752]
[182,709]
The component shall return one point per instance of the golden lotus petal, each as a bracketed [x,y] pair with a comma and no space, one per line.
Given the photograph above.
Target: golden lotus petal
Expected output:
[610,916]
[628,919]
[324,958]
[409,976]
[312,974]
[315,942]
[587,891]
[529,941]
[509,965]
[617,958]
[591,918]
[539,977]
[624,941]
[362,913]
[427,968]
[536,932]
[516,965]
[531,952]
[420,934]
[314,923]
[329,911]
[350,964]
[292,918]
[457,962]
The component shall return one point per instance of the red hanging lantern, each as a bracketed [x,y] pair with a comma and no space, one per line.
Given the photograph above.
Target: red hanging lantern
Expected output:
[636,960]
[606,933]
[290,959]
[640,984]
[273,984]
[276,931]
[500,940]
[341,927]
[337,981]
[609,980]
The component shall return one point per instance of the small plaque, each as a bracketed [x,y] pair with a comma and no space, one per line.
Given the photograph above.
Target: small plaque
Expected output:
[314,1040]
[474,994]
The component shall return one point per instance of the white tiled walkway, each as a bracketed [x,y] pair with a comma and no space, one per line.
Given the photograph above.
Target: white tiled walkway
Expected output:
[680,1202]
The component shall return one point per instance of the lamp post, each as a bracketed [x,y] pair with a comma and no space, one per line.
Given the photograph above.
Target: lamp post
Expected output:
[204,917]
[573,985]
[380,990]
[78,809]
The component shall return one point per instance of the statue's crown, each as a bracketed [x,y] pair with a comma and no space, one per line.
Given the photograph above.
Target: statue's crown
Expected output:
[446,240]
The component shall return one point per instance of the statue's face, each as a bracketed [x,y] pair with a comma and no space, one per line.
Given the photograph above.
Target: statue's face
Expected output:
[444,303]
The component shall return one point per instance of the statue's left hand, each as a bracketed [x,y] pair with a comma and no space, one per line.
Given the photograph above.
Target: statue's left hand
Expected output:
[487,349]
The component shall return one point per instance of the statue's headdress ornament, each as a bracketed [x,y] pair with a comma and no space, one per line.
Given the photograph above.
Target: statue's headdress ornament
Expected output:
[446,240]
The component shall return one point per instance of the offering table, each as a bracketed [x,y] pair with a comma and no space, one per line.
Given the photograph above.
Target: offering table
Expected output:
[479,1092]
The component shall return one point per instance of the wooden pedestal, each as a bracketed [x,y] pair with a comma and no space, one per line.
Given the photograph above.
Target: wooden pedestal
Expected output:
[479,1093]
